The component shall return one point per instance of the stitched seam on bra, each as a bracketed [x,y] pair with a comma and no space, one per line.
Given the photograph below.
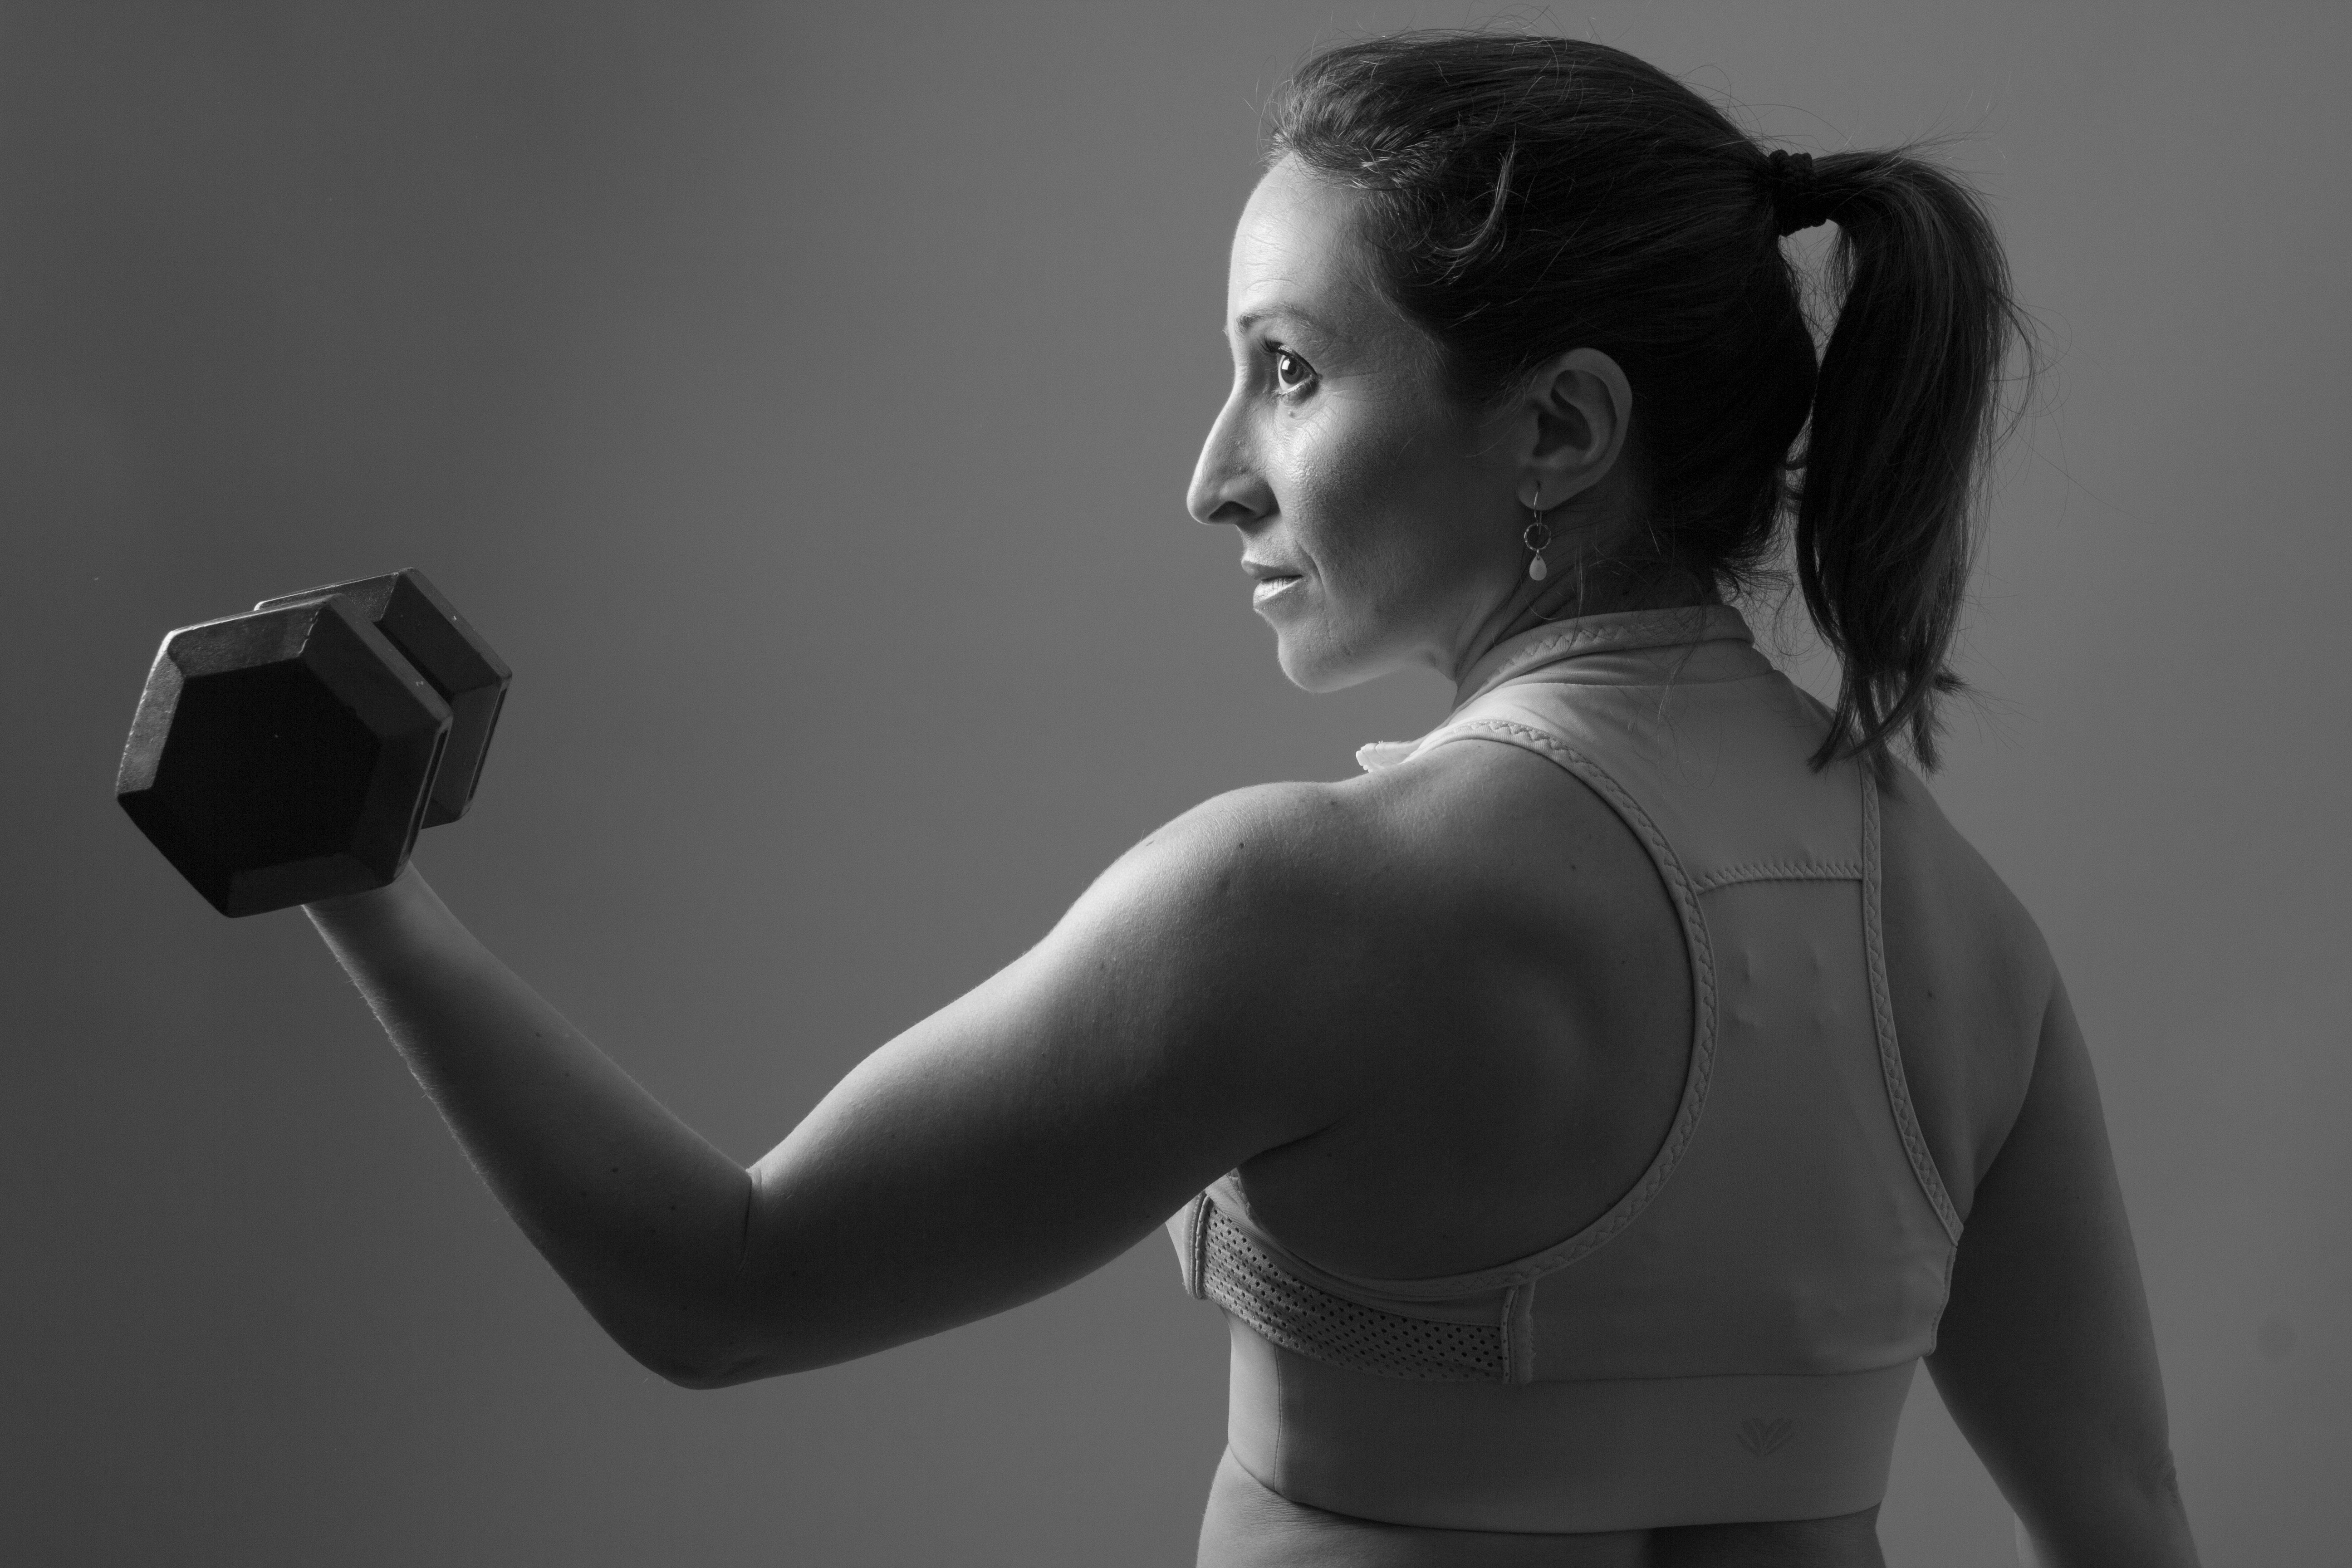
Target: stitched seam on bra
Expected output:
[1519,1315]
[1503,1326]
[1199,1238]
[1281,1417]
[1778,871]
[1628,1208]
[1881,1019]
[1935,1329]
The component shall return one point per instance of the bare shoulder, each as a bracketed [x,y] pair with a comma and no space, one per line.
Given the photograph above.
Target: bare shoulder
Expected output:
[1480,816]
[1250,864]
[1471,856]
[1920,842]
[1347,912]
[1297,883]
[1971,979]
[1369,845]
[1246,939]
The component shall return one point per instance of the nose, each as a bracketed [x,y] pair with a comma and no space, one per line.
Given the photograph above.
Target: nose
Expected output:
[1226,484]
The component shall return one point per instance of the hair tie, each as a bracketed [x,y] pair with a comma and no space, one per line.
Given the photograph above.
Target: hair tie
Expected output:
[1797,199]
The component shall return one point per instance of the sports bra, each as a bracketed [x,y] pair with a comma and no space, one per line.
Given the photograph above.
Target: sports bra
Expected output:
[1732,1340]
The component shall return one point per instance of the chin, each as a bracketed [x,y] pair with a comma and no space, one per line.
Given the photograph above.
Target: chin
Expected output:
[1312,667]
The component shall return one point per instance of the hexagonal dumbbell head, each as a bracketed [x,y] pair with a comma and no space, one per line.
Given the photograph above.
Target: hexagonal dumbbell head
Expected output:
[283,756]
[426,628]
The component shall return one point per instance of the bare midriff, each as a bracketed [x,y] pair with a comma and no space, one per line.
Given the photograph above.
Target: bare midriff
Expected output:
[1250,1526]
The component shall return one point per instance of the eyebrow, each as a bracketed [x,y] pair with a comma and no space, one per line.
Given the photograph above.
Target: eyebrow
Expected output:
[1243,323]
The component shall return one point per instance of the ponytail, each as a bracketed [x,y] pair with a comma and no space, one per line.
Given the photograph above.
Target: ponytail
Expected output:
[1904,413]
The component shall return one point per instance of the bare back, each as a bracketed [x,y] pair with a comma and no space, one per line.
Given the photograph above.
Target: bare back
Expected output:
[1536,1030]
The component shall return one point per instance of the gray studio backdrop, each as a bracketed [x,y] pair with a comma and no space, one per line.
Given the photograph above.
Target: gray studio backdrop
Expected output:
[801,396]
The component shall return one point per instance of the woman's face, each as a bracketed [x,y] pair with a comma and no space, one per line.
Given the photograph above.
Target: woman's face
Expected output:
[1378,517]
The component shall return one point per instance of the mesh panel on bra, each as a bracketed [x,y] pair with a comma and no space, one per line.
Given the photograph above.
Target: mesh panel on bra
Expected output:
[1244,1279]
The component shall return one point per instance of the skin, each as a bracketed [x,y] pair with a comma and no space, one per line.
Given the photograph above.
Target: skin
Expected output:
[1383,521]
[1258,984]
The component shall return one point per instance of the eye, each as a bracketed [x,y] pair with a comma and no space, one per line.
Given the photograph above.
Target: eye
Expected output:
[1292,374]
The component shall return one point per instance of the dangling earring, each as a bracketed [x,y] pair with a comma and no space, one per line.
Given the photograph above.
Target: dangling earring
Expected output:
[1537,537]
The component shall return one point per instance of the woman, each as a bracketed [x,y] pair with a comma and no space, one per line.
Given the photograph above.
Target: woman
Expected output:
[1603,1103]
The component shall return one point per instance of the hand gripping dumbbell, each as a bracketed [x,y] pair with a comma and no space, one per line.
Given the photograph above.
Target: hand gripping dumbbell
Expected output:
[292,753]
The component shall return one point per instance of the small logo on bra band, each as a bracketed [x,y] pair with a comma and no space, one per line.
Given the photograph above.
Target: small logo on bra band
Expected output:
[1760,1437]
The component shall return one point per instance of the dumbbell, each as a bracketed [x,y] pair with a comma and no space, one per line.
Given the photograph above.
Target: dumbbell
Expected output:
[292,753]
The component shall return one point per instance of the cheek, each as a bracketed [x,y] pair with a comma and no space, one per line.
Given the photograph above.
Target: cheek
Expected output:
[1380,504]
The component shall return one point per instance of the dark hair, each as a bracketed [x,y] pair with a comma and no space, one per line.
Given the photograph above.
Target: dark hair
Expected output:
[1531,194]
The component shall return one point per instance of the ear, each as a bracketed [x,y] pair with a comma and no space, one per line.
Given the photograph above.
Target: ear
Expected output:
[1579,408]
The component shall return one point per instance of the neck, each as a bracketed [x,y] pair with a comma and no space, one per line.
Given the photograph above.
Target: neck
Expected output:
[1578,589]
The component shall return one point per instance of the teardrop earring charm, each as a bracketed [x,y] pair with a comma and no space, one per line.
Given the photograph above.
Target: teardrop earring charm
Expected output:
[1537,537]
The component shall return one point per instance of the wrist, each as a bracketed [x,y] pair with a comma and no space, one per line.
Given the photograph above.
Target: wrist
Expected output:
[402,915]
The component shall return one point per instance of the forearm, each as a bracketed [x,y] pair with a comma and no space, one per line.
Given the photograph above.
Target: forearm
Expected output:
[644,1220]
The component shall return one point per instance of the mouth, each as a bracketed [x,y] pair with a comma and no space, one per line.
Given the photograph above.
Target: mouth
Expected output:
[1273,582]
[1270,588]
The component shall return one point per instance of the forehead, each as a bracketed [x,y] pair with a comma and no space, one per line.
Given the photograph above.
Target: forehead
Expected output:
[1297,246]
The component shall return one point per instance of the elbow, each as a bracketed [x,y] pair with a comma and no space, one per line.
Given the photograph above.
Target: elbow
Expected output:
[705,1377]
[701,1367]
[709,1337]
[724,1366]
[693,1354]
[703,1356]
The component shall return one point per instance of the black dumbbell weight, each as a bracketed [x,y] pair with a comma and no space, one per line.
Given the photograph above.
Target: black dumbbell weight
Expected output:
[427,629]
[292,753]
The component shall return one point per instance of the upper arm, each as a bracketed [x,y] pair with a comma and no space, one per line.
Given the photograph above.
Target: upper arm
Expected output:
[2045,1355]
[1970,981]
[1038,1126]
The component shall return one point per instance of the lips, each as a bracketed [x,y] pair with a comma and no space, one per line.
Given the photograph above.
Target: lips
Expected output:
[1273,587]
[1273,581]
